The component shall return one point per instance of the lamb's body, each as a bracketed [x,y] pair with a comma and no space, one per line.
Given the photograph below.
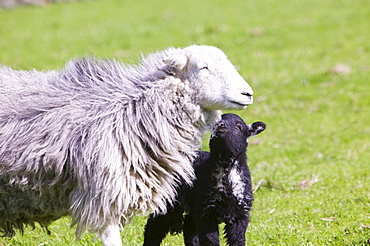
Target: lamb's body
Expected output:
[100,140]
[222,191]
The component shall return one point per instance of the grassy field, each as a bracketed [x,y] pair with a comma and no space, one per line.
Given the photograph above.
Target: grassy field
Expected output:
[310,168]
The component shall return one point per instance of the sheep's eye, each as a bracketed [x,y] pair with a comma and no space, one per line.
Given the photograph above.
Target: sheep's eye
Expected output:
[202,66]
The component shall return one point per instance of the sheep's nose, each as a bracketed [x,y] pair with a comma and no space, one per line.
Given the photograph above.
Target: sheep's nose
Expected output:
[247,94]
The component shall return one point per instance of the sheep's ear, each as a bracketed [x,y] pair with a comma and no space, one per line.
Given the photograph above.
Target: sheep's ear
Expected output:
[177,61]
[256,128]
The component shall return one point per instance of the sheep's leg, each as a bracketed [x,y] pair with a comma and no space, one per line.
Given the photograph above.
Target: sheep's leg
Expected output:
[111,236]
[235,232]
[190,233]
[207,228]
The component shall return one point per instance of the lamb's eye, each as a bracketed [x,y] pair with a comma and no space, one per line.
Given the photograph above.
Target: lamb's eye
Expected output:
[204,68]
[239,127]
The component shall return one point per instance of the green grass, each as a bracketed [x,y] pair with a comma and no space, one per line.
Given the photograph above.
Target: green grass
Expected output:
[310,167]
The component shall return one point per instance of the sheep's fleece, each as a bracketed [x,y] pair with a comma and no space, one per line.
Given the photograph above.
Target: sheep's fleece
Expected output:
[101,141]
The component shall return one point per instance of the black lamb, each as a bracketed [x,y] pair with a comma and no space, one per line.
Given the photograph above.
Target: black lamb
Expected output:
[222,191]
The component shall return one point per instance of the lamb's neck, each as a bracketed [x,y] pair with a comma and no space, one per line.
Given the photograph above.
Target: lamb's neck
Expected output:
[228,161]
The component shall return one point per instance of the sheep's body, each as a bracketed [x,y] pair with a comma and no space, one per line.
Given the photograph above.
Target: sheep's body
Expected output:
[222,191]
[101,141]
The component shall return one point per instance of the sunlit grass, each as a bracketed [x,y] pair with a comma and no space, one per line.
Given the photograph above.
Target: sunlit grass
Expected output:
[310,168]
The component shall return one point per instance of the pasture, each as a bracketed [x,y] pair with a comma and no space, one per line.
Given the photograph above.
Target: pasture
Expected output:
[308,63]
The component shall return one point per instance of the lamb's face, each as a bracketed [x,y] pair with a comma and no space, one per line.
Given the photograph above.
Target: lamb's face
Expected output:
[216,82]
[231,134]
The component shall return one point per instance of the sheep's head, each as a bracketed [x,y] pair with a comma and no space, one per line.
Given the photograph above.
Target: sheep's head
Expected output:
[231,134]
[214,79]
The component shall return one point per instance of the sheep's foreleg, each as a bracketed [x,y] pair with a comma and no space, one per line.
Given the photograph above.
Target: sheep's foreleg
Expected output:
[111,236]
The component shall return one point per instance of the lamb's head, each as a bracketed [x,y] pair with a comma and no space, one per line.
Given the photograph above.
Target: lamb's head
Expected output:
[215,81]
[230,134]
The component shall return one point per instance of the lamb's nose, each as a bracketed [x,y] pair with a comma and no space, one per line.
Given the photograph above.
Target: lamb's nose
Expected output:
[221,124]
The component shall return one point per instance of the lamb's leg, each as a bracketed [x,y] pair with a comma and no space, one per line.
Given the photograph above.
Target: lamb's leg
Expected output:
[155,230]
[111,236]
[190,233]
[158,226]
[235,232]
[207,228]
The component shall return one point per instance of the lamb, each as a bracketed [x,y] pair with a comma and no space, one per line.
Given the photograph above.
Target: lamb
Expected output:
[101,141]
[222,191]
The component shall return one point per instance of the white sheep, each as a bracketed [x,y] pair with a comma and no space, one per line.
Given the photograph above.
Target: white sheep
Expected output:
[102,141]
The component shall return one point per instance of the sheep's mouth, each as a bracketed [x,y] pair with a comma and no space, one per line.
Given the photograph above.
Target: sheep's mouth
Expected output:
[240,104]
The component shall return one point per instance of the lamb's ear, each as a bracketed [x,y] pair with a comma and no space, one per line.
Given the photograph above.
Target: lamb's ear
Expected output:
[256,128]
[177,61]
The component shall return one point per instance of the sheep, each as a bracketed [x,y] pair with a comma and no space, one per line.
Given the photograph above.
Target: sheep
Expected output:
[222,191]
[101,141]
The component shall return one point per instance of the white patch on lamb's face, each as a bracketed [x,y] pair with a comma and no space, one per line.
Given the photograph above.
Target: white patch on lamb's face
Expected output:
[217,83]
[236,183]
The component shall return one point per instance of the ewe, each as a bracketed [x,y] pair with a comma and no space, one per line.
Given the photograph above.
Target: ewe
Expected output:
[222,191]
[102,141]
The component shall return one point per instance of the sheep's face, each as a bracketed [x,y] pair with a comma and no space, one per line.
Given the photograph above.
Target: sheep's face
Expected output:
[231,134]
[214,79]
